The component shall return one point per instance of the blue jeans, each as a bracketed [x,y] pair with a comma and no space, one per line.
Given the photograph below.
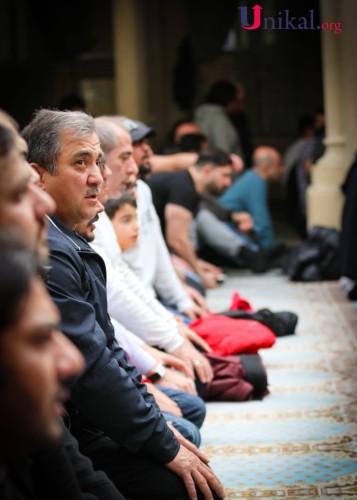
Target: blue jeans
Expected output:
[193,410]
[176,312]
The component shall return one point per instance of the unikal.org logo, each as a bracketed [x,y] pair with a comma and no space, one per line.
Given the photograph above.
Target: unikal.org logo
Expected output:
[284,21]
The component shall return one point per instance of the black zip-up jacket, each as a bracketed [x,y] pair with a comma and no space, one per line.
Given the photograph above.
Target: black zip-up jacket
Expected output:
[109,393]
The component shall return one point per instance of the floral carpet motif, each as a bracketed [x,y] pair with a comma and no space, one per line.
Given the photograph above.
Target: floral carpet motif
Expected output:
[300,441]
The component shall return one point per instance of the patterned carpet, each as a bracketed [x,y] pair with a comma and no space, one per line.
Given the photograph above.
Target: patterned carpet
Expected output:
[301,440]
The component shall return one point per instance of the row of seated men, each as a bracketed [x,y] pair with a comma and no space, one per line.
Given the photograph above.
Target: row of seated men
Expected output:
[96,339]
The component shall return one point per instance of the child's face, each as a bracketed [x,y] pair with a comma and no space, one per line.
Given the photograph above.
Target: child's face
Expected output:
[126,226]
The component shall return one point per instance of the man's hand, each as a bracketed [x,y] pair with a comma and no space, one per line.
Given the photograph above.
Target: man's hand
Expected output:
[209,279]
[163,401]
[169,360]
[208,273]
[194,312]
[197,298]
[208,267]
[243,220]
[194,472]
[195,339]
[176,380]
[187,444]
[237,163]
[195,360]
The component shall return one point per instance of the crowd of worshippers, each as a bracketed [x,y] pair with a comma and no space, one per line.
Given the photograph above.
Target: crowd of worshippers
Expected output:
[108,347]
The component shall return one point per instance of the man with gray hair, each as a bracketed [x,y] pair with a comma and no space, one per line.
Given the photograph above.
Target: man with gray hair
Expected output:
[117,423]
[143,314]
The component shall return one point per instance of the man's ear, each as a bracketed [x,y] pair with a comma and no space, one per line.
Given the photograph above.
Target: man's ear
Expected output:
[207,169]
[41,173]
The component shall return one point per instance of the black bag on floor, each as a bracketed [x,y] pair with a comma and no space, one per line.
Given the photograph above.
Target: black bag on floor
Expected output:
[281,323]
[317,259]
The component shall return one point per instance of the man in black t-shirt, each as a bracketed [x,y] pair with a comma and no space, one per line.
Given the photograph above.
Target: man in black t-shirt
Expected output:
[175,188]
[176,197]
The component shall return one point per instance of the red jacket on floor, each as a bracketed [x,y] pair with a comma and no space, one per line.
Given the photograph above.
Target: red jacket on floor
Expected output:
[233,336]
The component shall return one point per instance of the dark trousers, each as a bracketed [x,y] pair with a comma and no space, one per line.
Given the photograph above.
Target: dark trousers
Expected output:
[137,476]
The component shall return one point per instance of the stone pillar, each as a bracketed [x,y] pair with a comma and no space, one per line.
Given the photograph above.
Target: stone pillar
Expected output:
[349,67]
[129,59]
[324,197]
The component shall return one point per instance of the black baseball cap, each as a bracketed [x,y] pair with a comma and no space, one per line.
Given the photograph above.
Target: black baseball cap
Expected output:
[138,130]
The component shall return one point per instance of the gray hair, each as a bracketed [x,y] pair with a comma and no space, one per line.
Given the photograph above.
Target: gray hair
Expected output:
[43,134]
[108,130]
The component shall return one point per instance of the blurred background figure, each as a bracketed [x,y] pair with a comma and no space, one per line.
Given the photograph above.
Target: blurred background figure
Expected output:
[72,102]
[312,150]
[239,118]
[212,117]
[177,137]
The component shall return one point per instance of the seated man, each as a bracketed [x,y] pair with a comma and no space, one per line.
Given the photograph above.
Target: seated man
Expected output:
[249,193]
[177,197]
[150,259]
[33,367]
[128,301]
[39,457]
[117,423]
[183,408]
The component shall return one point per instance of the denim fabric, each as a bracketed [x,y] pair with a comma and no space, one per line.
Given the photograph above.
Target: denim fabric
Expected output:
[174,311]
[193,410]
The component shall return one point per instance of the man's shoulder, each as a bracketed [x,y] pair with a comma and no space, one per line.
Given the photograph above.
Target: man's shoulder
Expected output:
[68,249]
[167,178]
[257,180]
[59,240]
[248,177]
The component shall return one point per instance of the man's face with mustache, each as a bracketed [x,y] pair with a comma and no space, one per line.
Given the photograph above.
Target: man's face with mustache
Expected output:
[142,152]
[76,185]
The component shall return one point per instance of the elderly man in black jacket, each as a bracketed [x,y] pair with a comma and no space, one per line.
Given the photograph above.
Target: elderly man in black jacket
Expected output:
[117,423]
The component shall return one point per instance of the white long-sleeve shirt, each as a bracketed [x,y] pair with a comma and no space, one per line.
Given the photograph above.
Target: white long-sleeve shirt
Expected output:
[150,259]
[133,346]
[129,302]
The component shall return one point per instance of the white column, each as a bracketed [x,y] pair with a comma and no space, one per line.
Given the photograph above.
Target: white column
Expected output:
[129,57]
[324,198]
[349,71]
